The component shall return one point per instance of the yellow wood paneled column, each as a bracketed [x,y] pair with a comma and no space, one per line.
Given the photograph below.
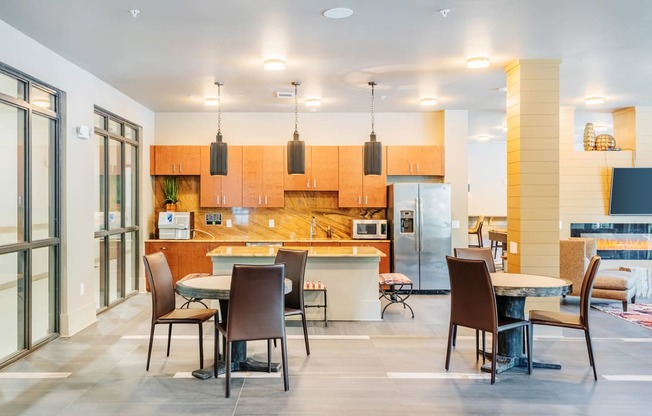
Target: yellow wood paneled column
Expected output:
[533,166]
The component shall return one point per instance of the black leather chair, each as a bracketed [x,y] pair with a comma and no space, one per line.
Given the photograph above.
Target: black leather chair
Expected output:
[295,268]
[473,305]
[256,312]
[164,309]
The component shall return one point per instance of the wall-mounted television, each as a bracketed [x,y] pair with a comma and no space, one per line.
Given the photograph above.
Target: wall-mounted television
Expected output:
[631,191]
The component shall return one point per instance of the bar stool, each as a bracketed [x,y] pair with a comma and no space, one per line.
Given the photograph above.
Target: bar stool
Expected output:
[318,286]
[477,230]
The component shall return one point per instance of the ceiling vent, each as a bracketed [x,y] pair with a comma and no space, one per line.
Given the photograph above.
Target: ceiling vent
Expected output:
[283,94]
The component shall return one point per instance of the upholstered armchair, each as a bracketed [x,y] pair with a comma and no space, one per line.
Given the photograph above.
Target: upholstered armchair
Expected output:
[574,257]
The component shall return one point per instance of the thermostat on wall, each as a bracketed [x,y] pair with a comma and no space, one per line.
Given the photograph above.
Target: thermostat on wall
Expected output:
[213,219]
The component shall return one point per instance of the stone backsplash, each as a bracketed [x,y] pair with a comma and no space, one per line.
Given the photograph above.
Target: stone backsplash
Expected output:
[290,222]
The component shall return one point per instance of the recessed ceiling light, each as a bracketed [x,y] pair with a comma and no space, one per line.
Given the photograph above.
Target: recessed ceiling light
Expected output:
[430,101]
[483,138]
[338,13]
[478,62]
[313,102]
[274,64]
[594,100]
[213,102]
[134,12]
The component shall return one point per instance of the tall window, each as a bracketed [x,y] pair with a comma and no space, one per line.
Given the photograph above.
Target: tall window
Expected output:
[116,219]
[30,148]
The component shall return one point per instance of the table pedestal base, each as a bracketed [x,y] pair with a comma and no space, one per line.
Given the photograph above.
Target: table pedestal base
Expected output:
[504,363]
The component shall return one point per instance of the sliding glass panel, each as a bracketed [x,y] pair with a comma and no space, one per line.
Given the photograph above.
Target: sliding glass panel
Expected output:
[131,262]
[42,181]
[130,185]
[43,293]
[98,271]
[12,185]
[99,189]
[115,127]
[12,87]
[100,121]
[115,183]
[131,133]
[12,304]
[115,267]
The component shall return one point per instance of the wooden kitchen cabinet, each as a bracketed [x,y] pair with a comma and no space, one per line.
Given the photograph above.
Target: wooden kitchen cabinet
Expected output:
[175,160]
[321,170]
[415,160]
[262,176]
[221,191]
[355,188]
[380,245]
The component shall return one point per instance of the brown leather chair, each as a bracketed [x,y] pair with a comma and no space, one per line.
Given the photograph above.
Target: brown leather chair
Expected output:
[476,253]
[164,309]
[295,268]
[473,305]
[568,320]
[256,304]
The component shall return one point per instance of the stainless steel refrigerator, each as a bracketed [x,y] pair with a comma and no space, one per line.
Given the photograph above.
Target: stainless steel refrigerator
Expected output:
[419,221]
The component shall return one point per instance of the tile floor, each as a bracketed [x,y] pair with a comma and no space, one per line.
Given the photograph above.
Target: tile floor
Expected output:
[356,368]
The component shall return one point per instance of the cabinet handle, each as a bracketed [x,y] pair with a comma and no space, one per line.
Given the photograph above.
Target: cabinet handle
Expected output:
[417,168]
[314,183]
[366,200]
[217,199]
[164,248]
[410,167]
[224,199]
[174,168]
[180,167]
[265,199]
[359,199]
[308,183]
[260,199]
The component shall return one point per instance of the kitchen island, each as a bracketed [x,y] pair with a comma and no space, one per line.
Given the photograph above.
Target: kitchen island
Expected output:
[350,274]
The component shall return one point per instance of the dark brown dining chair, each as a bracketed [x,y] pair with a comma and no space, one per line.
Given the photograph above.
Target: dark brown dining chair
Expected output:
[256,305]
[164,311]
[473,305]
[295,269]
[476,253]
[573,321]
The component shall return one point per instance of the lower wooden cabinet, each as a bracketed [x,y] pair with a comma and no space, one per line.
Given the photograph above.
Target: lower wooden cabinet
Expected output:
[380,245]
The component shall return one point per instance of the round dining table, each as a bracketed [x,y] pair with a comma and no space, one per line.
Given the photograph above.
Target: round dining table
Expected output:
[511,289]
[197,287]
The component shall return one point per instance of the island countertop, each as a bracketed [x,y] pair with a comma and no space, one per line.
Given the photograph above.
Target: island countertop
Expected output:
[316,251]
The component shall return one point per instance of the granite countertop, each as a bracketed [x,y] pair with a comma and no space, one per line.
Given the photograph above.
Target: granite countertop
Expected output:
[270,240]
[270,251]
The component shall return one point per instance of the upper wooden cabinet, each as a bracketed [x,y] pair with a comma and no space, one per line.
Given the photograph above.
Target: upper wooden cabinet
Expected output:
[262,176]
[174,160]
[415,160]
[221,191]
[321,170]
[355,188]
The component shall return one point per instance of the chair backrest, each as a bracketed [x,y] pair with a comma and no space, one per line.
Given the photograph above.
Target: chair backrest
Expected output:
[295,269]
[477,253]
[159,278]
[256,302]
[587,289]
[473,300]
[478,225]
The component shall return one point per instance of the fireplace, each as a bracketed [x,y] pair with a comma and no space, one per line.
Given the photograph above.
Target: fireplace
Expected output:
[618,241]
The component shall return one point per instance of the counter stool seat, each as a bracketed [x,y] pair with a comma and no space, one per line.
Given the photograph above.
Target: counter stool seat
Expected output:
[391,285]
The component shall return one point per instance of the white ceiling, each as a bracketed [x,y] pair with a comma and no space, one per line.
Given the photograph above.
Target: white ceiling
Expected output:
[170,55]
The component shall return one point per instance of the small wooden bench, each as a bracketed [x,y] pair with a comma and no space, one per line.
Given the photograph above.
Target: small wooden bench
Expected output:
[391,285]
[317,286]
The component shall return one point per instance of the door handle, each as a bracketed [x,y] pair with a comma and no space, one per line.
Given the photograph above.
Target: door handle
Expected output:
[180,167]
[224,200]
[174,168]
[314,183]
[359,199]
[366,200]
[417,168]
[217,199]
[308,183]
[260,200]
[265,199]
[410,167]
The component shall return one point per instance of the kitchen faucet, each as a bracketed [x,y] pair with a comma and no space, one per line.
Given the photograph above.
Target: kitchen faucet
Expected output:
[313,227]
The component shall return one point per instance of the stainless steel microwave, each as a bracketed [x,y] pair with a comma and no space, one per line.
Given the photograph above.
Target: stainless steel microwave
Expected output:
[370,229]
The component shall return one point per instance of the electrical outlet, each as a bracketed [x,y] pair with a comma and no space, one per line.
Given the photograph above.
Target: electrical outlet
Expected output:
[455,224]
[81,289]
[229,224]
[271,223]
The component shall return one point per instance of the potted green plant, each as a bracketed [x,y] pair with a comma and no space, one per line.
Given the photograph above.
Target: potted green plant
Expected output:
[170,192]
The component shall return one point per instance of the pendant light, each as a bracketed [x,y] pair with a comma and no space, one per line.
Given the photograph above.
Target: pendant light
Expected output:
[373,150]
[296,148]
[219,149]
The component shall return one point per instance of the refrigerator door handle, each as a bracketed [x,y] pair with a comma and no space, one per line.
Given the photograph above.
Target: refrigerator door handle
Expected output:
[420,212]
[417,225]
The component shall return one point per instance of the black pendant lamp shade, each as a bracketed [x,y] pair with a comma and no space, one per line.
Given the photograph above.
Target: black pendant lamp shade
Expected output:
[373,150]
[219,149]
[296,148]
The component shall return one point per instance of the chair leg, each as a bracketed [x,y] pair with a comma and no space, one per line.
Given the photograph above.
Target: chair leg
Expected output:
[528,337]
[284,358]
[451,340]
[201,346]
[305,332]
[624,306]
[227,373]
[216,349]
[269,355]
[169,338]
[454,335]
[634,299]
[484,349]
[149,350]
[494,348]
[590,350]
[477,345]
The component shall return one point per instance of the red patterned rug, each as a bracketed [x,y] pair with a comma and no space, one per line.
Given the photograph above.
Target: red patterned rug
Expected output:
[639,314]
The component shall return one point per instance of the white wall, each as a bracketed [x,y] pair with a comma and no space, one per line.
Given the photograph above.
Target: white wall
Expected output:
[488,179]
[83,90]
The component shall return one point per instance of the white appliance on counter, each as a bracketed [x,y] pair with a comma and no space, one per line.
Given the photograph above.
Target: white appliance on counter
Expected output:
[175,225]
[369,229]
[419,215]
